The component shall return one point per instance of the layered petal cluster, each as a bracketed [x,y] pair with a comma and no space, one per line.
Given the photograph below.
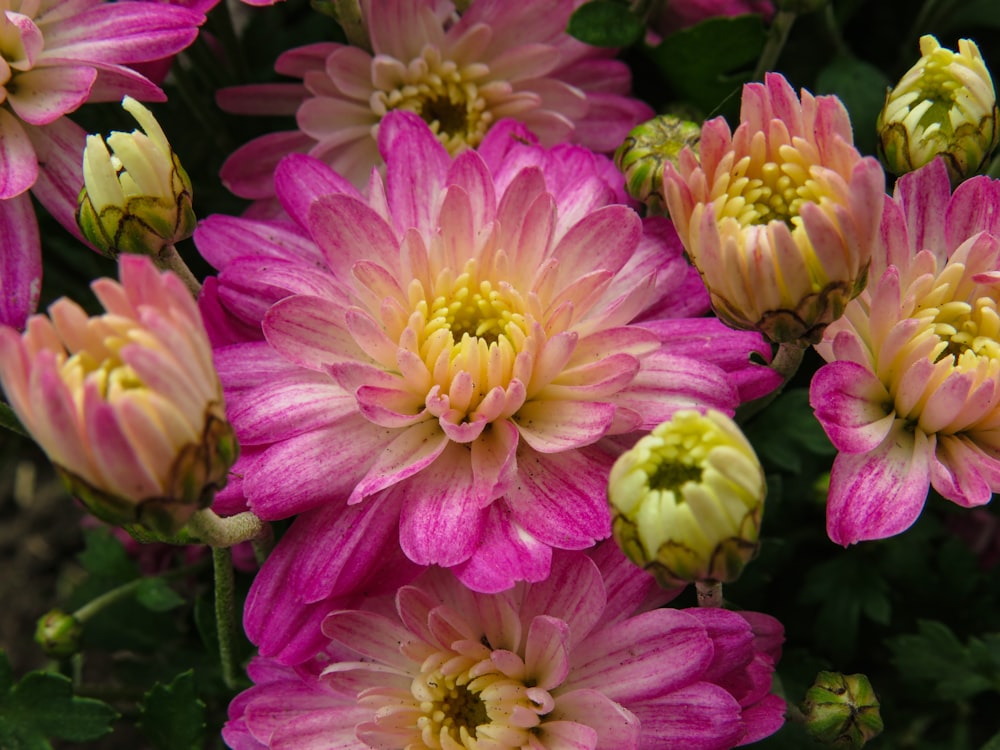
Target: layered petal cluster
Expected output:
[780,216]
[911,394]
[452,362]
[127,404]
[54,56]
[580,660]
[461,74]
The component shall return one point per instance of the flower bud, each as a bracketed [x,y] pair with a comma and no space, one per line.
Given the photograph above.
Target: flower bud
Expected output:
[842,710]
[136,198]
[58,633]
[687,500]
[127,405]
[641,156]
[946,106]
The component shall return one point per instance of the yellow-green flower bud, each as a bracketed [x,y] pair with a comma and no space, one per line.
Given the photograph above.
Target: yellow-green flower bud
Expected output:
[137,197]
[842,710]
[945,105]
[687,500]
[58,633]
[642,155]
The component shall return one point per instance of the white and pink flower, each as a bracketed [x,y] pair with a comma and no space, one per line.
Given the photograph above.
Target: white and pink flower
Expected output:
[452,362]
[461,74]
[580,660]
[911,394]
[55,57]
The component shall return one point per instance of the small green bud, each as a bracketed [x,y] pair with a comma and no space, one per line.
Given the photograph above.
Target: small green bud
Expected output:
[687,500]
[842,710]
[945,105]
[58,634]
[137,198]
[642,155]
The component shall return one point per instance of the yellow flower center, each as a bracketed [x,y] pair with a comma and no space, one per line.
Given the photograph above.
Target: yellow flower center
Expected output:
[470,327]
[445,95]
[766,187]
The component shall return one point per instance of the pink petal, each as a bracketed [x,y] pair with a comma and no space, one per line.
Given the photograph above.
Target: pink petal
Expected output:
[561,498]
[506,553]
[880,493]
[18,165]
[348,231]
[697,717]
[557,426]
[647,656]
[924,195]
[962,472]
[249,170]
[20,260]
[307,470]
[404,454]
[441,520]
[566,735]
[574,589]
[58,147]
[616,726]
[546,654]
[310,331]
[45,94]
[417,166]
[300,180]
[850,403]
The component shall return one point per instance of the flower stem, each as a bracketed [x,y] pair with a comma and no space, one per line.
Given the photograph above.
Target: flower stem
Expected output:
[709,594]
[9,420]
[95,605]
[216,531]
[168,259]
[225,623]
[786,363]
[781,27]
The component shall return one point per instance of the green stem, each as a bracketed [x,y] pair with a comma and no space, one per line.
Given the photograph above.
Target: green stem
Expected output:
[348,15]
[786,363]
[217,531]
[781,27]
[9,420]
[95,605]
[830,21]
[709,594]
[168,259]
[225,614]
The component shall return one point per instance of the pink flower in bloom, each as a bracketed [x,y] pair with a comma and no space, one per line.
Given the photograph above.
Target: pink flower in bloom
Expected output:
[451,363]
[55,56]
[911,394]
[780,216]
[679,14]
[579,660]
[500,58]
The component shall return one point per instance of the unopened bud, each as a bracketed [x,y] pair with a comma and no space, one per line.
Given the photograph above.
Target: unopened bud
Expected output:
[58,633]
[945,105]
[687,500]
[137,197]
[641,156]
[842,710]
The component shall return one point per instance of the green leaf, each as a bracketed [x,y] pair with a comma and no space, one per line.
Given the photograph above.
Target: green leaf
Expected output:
[42,705]
[605,23]
[845,589]
[105,558]
[781,432]
[936,656]
[708,63]
[173,716]
[993,743]
[156,595]
[861,87]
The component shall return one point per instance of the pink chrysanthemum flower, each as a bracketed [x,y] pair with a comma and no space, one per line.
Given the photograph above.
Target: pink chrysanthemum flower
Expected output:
[911,394]
[579,660]
[780,216]
[452,362]
[54,57]
[501,58]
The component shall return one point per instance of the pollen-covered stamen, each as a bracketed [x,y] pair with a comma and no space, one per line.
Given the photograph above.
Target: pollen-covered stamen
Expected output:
[767,187]
[445,95]
[968,331]
[468,332]
[461,704]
